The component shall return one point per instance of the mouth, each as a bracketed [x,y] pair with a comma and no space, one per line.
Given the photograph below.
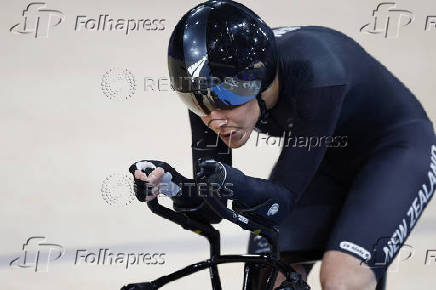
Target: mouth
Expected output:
[228,135]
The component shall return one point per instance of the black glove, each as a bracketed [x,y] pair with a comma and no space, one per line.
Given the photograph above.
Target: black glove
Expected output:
[215,173]
[176,180]
[212,173]
[187,197]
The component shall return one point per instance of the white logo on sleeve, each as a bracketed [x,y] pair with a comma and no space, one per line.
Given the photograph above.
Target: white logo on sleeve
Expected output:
[273,209]
[355,249]
[242,219]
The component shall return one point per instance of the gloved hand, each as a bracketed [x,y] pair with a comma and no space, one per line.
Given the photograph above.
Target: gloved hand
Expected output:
[215,174]
[211,172]
[152,177]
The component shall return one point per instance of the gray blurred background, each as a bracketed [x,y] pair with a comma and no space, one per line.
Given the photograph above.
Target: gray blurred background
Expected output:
[71,125]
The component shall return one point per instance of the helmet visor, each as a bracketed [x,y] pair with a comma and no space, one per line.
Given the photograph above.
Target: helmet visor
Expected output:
[224,96]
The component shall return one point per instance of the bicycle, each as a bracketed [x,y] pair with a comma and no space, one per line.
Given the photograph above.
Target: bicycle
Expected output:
[253,262]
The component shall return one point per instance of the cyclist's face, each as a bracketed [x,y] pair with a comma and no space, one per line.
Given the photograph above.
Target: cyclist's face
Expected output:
[234,126]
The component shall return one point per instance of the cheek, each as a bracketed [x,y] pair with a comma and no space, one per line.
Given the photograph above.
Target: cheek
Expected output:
[246,116]
[242,118]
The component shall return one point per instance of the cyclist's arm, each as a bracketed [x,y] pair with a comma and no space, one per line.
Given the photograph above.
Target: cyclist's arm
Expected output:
[296,166]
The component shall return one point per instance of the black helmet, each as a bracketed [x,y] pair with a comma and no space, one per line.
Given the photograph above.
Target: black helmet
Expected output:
[221,55]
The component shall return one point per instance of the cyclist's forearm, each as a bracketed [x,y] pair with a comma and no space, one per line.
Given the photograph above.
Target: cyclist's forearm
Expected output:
[251,191]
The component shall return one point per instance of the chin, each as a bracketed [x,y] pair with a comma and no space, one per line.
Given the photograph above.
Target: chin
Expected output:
[236,144]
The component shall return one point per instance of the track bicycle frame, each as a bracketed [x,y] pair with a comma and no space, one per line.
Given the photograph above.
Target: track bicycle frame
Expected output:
[252,261]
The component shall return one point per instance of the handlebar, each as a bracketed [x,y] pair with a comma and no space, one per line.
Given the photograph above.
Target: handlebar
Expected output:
[244,221]
[208,231]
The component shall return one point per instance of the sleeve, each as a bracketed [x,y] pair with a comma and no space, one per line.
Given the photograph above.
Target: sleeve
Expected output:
[318,113]
[310,136]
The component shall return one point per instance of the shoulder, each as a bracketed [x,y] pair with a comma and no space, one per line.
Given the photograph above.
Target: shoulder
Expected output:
[315,52]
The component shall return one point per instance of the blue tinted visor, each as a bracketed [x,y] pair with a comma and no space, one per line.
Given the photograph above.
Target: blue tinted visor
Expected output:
[224,96]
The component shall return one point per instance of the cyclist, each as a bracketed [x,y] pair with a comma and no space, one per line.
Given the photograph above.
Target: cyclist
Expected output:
[358,162]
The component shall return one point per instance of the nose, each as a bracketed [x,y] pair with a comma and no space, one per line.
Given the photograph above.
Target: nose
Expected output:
[217,120]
